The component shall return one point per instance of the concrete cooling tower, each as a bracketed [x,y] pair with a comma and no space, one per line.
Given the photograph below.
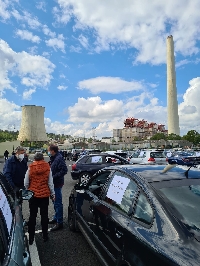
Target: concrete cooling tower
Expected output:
[172,103]
[32,124]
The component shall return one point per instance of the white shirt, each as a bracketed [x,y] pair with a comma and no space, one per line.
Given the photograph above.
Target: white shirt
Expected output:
[50,182]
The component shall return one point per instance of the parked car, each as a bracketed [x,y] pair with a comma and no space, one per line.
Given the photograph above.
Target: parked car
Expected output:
[184,160]
[13,242]
[86,166]
[148,156]
[145,215]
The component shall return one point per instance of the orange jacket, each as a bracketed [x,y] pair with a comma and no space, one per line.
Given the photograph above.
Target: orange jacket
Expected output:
[38,178]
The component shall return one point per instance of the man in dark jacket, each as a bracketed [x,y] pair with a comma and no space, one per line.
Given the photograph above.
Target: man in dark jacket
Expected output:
[15,169]
[59,170]
[6,155]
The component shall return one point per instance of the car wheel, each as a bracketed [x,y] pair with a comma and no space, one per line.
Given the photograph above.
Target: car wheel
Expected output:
[84,178]
[71,218]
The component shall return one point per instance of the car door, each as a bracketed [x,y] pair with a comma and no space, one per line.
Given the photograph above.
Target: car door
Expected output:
[11,228]
[86,198]
[140,231]
[110,216]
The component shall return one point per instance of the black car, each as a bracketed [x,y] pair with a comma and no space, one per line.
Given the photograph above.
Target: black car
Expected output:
[86,166]
[13,242]
[145,215]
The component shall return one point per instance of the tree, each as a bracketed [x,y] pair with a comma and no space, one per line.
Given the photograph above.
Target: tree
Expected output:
[159,136]
[192,136]
[173,136]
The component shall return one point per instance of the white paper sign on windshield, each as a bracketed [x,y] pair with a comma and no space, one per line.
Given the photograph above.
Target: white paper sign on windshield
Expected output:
[117,188]
[96,159]
[5,208]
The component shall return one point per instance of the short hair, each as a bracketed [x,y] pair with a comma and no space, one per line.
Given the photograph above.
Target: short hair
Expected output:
[20,148]
[54,148]
[38,156]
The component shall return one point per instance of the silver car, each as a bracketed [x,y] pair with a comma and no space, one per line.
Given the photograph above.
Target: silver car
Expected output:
[148,157]
[13,242]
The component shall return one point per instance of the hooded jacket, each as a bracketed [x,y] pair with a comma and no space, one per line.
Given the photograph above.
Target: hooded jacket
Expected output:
[38,179]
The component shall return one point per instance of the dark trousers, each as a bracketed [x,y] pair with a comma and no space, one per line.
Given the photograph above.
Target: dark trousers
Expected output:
[34,204]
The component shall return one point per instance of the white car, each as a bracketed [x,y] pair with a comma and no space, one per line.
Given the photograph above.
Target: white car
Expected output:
[148,156]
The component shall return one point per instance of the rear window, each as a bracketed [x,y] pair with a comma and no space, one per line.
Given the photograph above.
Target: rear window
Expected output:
[157,155]
[185,202]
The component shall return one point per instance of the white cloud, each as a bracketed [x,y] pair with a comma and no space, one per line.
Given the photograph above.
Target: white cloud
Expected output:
[27,94]
[94,110]
[4,12]
[134,24]
[112,85]
[27,35]
[48,32]
[10,114]
[62,76]
[41,6]
[33,70]
[84,41]
[26,17]
[62,88]
[57,43]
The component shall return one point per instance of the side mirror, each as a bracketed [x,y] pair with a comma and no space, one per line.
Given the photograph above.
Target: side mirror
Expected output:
[25,194]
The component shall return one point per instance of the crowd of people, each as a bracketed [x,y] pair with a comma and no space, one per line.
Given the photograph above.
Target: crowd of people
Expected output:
[45,179]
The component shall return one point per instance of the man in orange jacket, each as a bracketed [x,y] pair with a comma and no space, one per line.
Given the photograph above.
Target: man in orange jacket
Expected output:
[39,179]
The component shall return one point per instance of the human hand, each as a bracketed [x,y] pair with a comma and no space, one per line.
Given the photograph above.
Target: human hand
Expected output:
[53,197]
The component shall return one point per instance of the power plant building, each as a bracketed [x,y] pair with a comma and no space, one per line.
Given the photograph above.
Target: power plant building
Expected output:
[32,124]
[135,128]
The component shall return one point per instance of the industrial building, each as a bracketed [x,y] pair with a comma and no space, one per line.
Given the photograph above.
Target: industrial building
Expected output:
[137,129]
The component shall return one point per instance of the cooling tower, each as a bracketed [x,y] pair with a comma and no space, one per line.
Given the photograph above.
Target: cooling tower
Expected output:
[172,103]
[32,124]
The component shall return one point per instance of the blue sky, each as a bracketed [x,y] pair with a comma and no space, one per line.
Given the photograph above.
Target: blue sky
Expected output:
[94,63]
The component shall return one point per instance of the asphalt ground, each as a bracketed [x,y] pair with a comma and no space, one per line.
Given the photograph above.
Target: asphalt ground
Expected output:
[64,248]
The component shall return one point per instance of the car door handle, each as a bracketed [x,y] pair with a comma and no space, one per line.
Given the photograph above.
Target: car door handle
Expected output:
[118,234]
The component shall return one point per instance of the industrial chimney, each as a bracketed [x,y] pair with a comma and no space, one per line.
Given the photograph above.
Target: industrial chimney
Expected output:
[172,103]
[32,124]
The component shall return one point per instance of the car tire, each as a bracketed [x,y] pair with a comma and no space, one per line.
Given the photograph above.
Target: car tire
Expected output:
[84,177]
[71,218]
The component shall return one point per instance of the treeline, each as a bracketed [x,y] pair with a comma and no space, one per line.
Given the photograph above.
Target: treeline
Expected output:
[193,136]
[6,135]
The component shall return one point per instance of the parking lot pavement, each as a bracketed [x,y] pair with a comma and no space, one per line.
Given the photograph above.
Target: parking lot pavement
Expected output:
[64,247]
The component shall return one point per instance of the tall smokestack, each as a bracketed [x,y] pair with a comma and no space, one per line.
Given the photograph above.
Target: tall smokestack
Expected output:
[172,103]
[32,124]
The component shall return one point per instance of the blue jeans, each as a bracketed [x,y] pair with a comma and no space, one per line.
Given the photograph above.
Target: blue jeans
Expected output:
[58,206]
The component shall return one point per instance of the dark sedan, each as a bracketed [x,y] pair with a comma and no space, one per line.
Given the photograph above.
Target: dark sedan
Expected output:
[13,242]
[86,166]
[145,215]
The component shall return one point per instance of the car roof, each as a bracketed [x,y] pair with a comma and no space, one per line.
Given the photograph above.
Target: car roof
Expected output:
[157,173]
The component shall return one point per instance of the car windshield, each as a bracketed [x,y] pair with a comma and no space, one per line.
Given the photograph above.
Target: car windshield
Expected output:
[185,202]
[157,155]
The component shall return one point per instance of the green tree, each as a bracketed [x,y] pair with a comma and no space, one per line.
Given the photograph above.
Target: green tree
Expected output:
[192,136]
[159,136]
[173,136]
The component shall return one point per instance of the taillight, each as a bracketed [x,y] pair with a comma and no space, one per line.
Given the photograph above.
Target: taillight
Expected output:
[73,166]
[166,159]
[151,159]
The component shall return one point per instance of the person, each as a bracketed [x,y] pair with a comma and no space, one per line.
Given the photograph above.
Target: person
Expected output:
[39,179]
[59,169]
[83,152]
[6,155]
[15,169]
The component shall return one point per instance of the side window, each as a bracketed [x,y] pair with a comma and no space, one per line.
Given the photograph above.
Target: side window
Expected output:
[94,159]
[96,184]
[143,210]
[121,192]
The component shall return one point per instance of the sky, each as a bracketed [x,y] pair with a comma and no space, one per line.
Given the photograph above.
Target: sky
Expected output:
[92,63]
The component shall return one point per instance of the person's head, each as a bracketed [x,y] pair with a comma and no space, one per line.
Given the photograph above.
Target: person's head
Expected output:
[38,156]
[19,152]
[53,149]
[83,148]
